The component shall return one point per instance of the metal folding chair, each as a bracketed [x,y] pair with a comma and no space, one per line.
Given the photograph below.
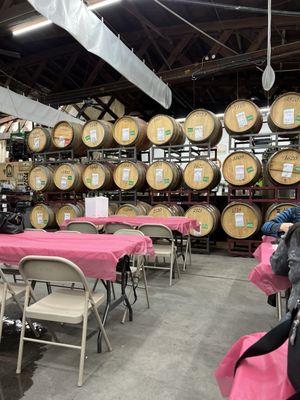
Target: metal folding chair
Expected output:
[113,227]
[82,227]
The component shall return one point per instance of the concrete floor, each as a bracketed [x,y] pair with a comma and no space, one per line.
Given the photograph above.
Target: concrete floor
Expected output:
[169,352]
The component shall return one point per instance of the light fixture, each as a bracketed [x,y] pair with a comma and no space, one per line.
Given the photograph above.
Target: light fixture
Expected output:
[32,27]
[103,3]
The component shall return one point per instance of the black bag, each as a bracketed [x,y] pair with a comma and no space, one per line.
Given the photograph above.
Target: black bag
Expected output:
[11,223]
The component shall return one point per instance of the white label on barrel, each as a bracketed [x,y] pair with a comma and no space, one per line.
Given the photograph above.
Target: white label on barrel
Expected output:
[239,172]
[197,174]
[61,141]
[38,182]
[239,220]
[198,132]
[67,216]
[160,134]
[36,142]
[241,119]
[287,170]
[159,175]
[39,218]
[63,182]
[289,116]
[93,135]
[125,174]
[95,179]
[125,134]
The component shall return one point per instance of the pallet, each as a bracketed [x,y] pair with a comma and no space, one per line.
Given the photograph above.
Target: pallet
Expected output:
[242,247]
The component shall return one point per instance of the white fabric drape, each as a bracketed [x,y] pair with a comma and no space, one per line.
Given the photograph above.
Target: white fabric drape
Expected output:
[93,34]
[12,103]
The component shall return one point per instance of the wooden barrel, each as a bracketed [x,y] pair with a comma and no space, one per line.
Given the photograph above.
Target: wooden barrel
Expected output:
[164,175]
[112,208]
[66,136]
[130,175]
[201,174]
[131,131]
[208,217]
[285,113]
[165,130]
[134,210]
[166,211]
[242,117]
[39,140]
[42,216]
[277,208]
[97,134]
[99,176]
[241,220]
[242,168]
[283,167]
[40,178]
[203,128]
[68,177]
[69,211]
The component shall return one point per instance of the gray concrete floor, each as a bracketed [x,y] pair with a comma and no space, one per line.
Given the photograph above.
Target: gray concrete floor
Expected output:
[169,352]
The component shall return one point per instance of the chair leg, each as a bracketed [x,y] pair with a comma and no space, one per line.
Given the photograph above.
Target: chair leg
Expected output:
[279,305]
[146,285]
[177,266]
[21,345]
[171,267]
[113,290]
[95,284]
[126,309]
[3,302]
[83,342]
[190,250]
[102,328]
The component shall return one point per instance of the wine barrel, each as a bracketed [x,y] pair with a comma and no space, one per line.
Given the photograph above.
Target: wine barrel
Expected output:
[203,128]
[242,168]
[69,211]
[40,178]
[241,220]
[66,136]
[283,167]
[130,175]
[42,216]
[112,208]
[134,210]
[97,134]
[165,130]
[99,176]
[131,131]
[285,113]
[242,117]
[39,140]
[164,175]
[208,217]
[166,211]
[201,174]
[68,177]
[277,208]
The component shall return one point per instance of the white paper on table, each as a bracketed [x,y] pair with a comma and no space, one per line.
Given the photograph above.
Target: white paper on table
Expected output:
[39,218]
[36,142]
[125,174]
[67,216]
[61,141]
[38,182]
[125,134]
[289,116]
[198,132]
[241,119]
[159,175]
[239,172]
[160,134]
[287,170]
[95,179]
[197,174]
[93,135]
[63,182]
[239,220]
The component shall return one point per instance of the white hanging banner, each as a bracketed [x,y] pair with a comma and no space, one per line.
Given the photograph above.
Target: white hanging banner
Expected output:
[93,34]
[22,107]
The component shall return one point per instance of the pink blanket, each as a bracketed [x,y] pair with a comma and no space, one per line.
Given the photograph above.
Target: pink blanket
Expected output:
[96,255]
[179,224]
[257,378]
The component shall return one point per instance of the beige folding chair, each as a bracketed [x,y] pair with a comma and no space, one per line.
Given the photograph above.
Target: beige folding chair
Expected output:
[165,246]
[63,305]
[35,229]
[113,227]
[82,227]
[137,269]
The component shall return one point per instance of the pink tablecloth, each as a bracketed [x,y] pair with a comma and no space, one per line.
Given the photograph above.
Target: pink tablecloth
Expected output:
[262,275]
[180,224]
[96,255]
[257,378]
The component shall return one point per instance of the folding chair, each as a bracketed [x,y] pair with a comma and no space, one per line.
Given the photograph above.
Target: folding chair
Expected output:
[137,270]
[167,248]
[82,227]
[35,229]
[61,306]
[113,227]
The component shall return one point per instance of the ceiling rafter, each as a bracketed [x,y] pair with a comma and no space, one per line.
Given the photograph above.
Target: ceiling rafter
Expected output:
[72,60]
[177,50]
[217,49]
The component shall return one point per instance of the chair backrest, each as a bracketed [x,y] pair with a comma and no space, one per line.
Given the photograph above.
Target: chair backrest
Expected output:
[132,232]
[35,229]
[82,227]
[112,227]
[156,231]
[64,231]
[51,269]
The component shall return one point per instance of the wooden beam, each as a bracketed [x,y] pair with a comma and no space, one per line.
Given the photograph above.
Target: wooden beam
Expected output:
[217,49]
[36,74]
[106,106]
[16,11]
[5,5]
[66,70]
[93,75]
[103,112]
[177,51]
[255,45]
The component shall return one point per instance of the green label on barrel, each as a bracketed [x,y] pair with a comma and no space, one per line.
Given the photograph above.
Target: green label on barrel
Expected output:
[298,118]
[249,117]
[297,168]
[167,180]
[132,133]
[70,177]
[250,169]
[130,182]
[88,137]
[204,226]
[190,129]
[250,225]
[205,179]
[168,132]
[45,222]
[89,180]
